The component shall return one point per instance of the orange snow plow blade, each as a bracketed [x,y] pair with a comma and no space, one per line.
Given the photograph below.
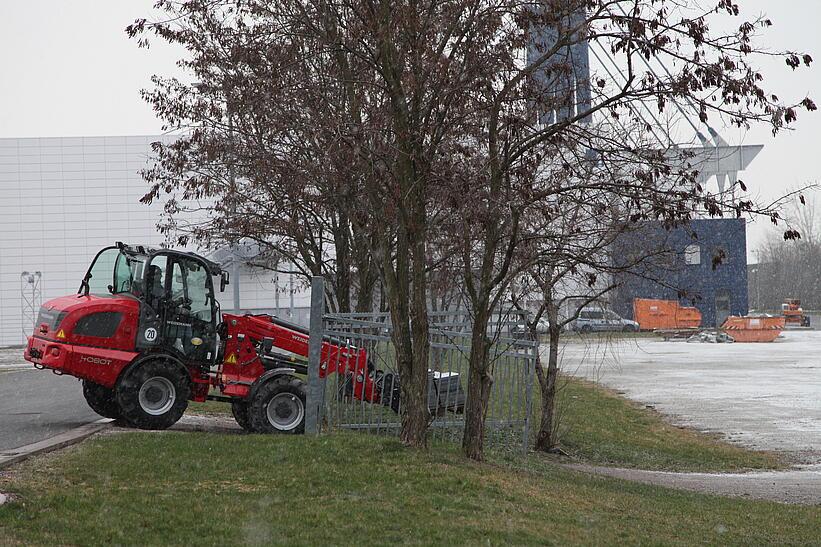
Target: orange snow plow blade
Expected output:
[753,329]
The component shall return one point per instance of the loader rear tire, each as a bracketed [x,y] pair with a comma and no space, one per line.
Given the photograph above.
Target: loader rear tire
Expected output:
[102,400]
[239,409]
[153,394]
[278,406]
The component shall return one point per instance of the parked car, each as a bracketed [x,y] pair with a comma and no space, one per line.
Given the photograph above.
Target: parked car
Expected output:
[522,330]
[599,320]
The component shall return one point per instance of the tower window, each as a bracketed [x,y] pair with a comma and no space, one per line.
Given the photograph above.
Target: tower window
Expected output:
[692,255]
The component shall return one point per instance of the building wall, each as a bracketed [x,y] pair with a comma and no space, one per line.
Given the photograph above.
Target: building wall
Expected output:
[670,277]
[263,291]
[62,199]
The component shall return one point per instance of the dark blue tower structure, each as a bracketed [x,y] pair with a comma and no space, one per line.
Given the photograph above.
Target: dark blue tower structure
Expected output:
[703,264]
[564,77]
[682,265]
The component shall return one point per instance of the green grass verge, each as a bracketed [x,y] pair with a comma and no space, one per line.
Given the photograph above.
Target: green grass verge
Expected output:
[601,427]
[211,408]
[199,488]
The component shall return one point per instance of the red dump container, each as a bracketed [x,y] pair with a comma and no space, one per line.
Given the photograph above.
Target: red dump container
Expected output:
[653,314]
[753,329]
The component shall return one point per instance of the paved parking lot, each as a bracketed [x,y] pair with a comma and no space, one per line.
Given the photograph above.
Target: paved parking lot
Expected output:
[766,396]
[36,404]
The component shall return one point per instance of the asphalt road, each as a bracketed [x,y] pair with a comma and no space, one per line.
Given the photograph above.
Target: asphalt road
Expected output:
[36,404]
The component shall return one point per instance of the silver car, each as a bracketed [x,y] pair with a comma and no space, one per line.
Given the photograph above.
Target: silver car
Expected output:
[599,320]
[520,330]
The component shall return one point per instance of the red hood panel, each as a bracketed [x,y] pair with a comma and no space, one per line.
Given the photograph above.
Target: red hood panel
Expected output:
[58,318]
[75,302]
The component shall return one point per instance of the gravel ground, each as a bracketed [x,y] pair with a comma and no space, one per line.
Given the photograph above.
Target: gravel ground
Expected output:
[764,396]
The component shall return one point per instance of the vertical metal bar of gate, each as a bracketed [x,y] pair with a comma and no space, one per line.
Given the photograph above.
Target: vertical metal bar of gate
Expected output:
[315,383]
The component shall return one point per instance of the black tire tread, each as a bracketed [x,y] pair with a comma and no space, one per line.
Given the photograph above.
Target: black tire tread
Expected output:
[257,406]
[101,399]
[239,409]
[128,388]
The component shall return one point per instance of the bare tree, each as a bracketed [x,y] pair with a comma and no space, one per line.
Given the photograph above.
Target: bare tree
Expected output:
[789,269]
[514,138]
[418,131]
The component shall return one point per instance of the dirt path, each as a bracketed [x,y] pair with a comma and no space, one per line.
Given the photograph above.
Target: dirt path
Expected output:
[204,423]
[799,486]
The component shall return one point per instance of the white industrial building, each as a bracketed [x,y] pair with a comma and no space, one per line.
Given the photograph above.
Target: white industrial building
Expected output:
[62,199]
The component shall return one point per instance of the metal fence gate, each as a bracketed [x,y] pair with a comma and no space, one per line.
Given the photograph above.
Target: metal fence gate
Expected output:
[340,400]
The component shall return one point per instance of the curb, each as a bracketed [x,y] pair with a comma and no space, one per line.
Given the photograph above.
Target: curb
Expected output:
[16,455]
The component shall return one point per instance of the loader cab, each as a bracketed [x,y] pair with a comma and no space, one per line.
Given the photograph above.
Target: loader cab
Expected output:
[178,308]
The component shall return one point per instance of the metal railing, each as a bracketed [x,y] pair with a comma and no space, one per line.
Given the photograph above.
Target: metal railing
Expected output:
[341,401]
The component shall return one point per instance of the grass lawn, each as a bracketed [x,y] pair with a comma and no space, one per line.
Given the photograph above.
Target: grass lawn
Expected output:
[600,427]
[194,488]
[212,408]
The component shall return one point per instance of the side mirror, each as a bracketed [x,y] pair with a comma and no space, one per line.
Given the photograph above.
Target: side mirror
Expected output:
[224,280]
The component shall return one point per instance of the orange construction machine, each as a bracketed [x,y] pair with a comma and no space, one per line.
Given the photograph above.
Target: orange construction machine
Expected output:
[794,314]
[664,314]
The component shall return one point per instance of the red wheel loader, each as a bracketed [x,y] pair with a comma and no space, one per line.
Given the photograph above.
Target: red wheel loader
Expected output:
[145,335]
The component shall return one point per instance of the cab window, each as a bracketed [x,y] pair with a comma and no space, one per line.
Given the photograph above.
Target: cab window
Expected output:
[155,284]
[101,273]
[200,293]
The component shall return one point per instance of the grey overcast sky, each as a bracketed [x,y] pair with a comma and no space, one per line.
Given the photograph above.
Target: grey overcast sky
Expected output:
[68,69]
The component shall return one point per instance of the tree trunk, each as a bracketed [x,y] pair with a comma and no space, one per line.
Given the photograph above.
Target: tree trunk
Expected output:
[417,417]
[479,384]
[407,294]
[367,278]
[546,436]
[415,414]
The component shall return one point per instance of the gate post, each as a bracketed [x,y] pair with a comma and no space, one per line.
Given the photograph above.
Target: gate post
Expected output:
[315,383]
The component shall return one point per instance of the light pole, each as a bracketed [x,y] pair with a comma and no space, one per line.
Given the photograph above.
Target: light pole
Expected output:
[232,181]
[232,184]
[757,280]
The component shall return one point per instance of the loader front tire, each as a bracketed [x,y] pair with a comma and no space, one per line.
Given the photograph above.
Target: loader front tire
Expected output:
[278,406]
[101,399]
[239,409]
[153,394]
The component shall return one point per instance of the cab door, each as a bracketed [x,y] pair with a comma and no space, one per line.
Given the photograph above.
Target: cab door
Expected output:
[190,319]
[154,299]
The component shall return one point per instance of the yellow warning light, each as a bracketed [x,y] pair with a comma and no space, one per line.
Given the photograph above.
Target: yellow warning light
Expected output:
[61,334]
[196,341]
[232,359]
